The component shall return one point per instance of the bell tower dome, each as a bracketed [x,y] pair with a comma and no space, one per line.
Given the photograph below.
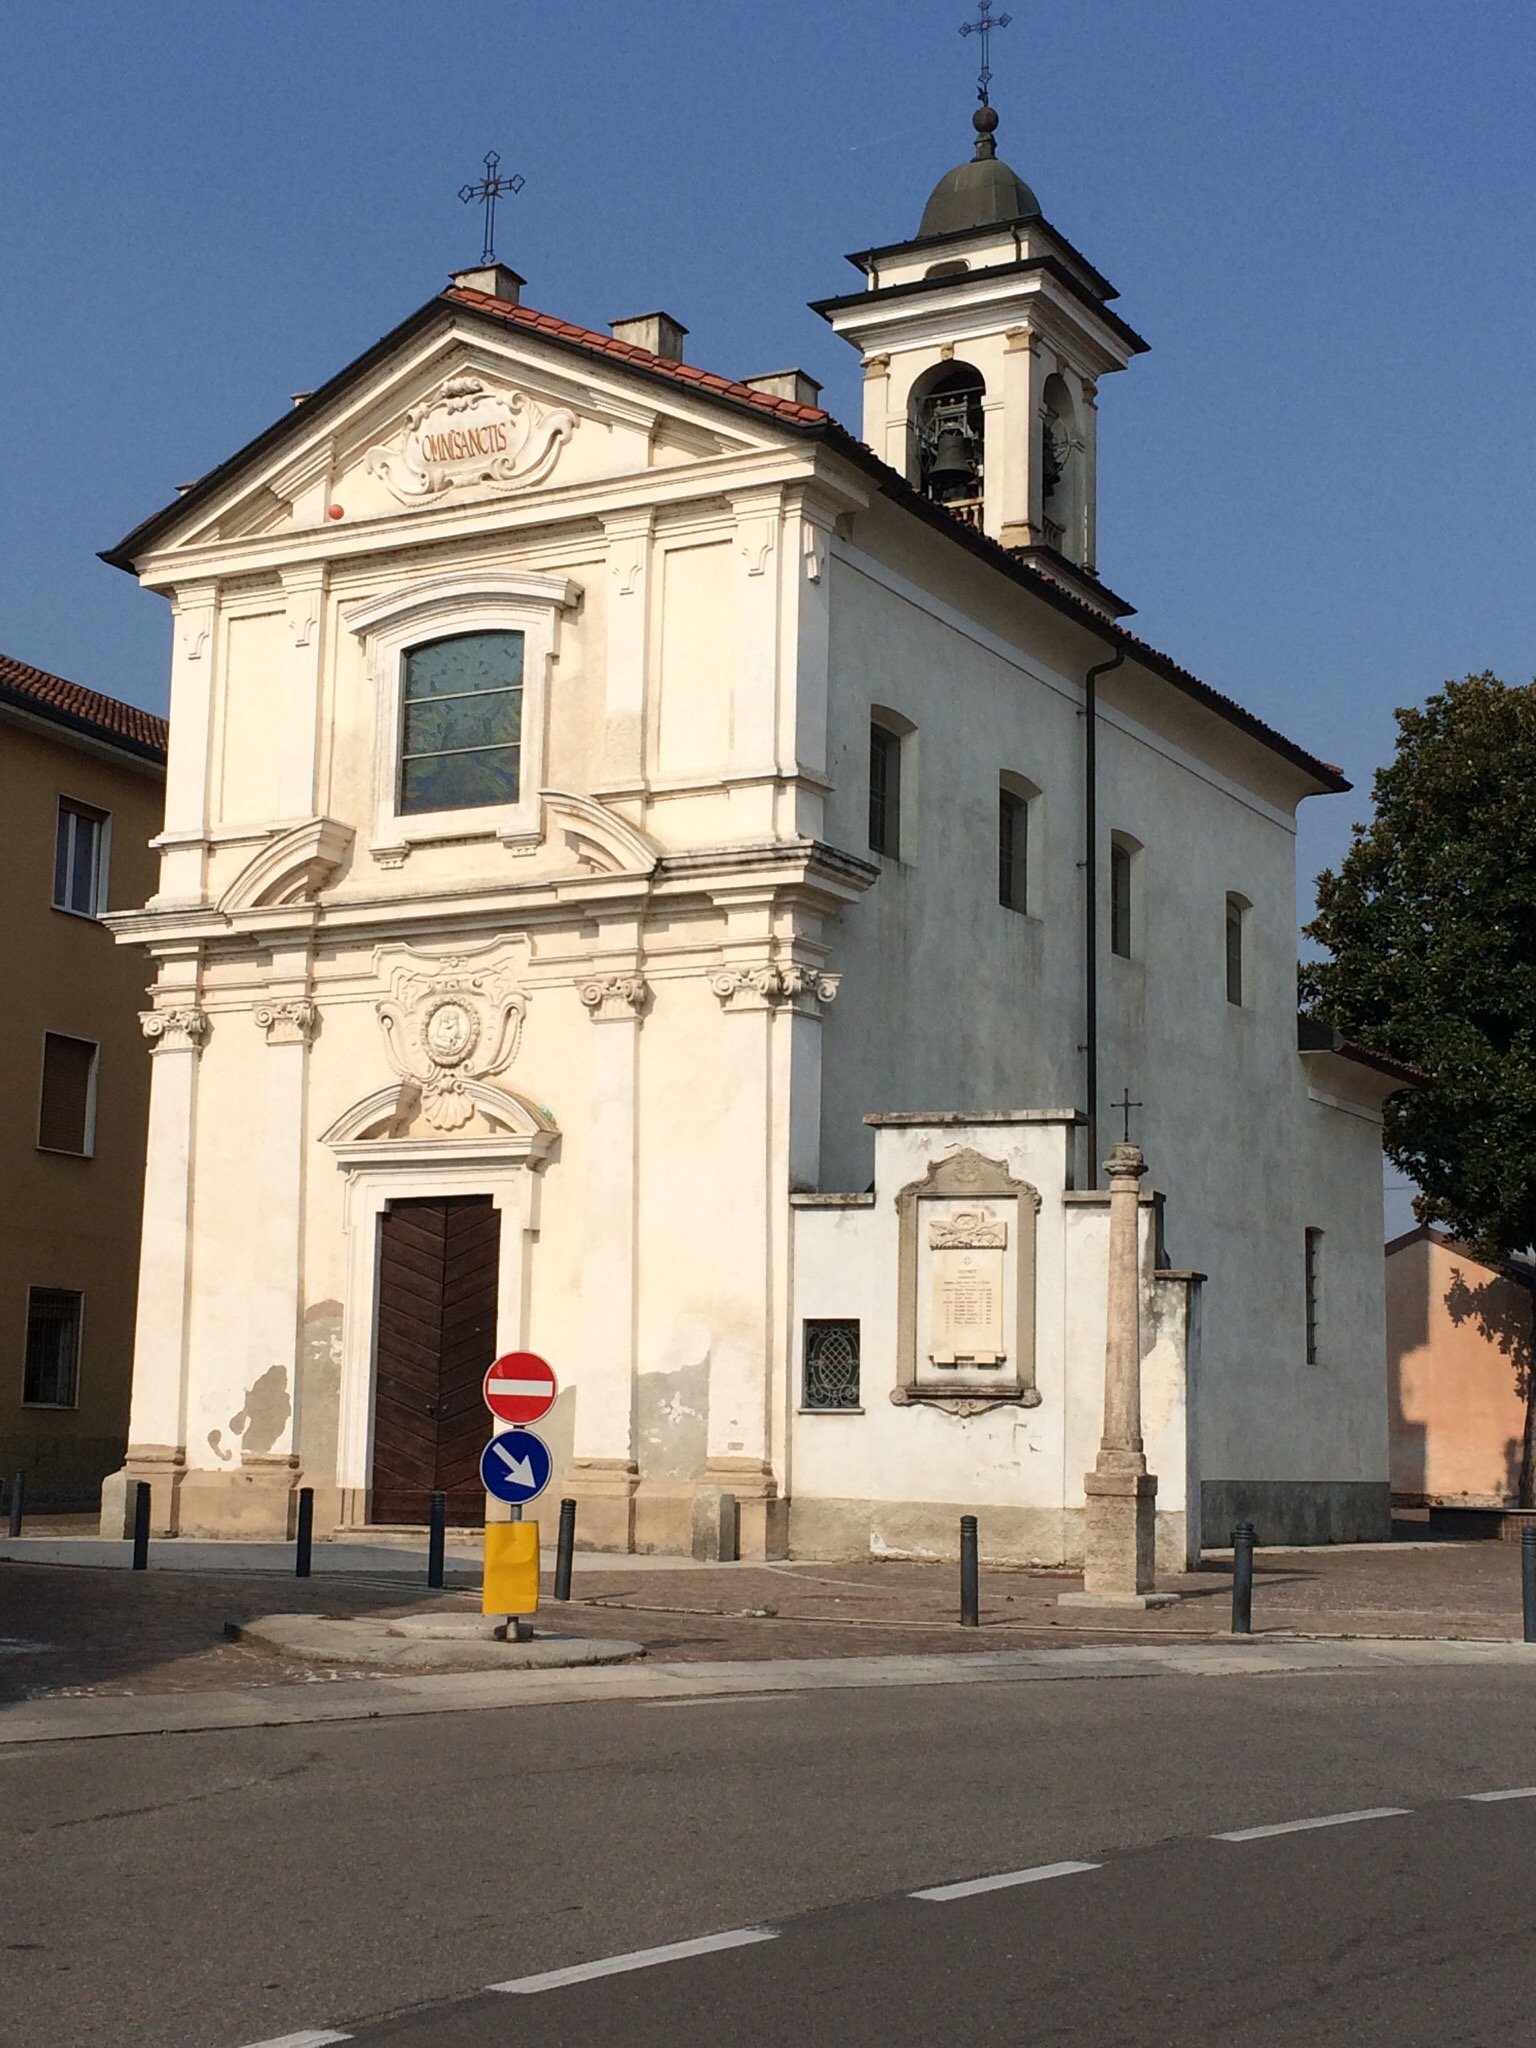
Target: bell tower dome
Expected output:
[984,338]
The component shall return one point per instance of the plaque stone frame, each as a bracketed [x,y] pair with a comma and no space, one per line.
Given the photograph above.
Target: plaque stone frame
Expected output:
[966,1174]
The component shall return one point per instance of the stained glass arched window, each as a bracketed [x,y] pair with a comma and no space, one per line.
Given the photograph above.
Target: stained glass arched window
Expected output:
[461,723]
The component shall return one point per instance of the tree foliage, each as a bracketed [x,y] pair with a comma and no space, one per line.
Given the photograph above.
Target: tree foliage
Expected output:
[1430,922]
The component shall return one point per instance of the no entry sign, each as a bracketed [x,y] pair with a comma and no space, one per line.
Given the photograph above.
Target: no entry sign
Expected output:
[520,1387]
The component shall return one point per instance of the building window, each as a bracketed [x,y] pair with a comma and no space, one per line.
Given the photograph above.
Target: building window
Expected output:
[1012,849]
[461,723]
[1120,858]
[1237,911]
[66,1117]
[80,859]
[884,791]
[51,1375]
[831,1365]
[1314,1260]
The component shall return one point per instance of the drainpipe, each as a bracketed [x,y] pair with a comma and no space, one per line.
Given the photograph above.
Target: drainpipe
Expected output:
[1091,903]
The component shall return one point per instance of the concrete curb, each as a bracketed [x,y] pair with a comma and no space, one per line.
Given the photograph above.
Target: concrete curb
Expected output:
[425,1642]
[372,1699]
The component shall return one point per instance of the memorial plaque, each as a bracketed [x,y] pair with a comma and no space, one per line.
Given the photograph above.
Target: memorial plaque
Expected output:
[967,1250]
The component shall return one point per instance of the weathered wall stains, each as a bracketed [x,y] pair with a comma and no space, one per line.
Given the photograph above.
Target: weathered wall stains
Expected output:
[672,1421]
[319,1388]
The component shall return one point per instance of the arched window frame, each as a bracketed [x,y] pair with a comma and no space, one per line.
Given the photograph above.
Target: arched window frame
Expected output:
[391,626]
[1236,945]
[895,843]
[1023,796]
[1125,911]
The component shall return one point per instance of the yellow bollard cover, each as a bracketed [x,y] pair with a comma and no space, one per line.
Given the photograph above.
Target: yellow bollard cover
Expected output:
[511,1568]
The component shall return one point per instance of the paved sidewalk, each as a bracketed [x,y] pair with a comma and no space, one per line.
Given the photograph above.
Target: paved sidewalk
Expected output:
[101,1629]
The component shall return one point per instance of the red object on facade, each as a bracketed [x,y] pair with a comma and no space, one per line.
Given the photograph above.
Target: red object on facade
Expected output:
[520,1387]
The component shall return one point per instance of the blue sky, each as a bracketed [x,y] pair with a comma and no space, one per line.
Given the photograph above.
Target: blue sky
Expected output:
[1318,488]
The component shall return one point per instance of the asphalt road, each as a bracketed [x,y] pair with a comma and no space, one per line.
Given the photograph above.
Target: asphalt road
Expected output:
[370,1880]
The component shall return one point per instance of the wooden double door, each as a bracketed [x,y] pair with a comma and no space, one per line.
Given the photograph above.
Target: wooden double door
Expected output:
[435,1335]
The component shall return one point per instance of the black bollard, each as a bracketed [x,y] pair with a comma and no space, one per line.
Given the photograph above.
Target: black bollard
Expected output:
[18,1500]
[437,1530]
[564,1548]
[1528,1580]
[1242,1579]
[141,1526]
[306,1535]
[970,1589]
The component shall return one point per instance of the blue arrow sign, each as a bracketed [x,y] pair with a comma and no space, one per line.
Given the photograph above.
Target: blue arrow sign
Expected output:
[516,1467]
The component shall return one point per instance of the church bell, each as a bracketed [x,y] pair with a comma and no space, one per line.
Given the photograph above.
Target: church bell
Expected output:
[953,470]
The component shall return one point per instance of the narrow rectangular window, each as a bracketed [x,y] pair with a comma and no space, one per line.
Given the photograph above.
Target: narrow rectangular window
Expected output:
[66,1116]
[1314,1257]
[461,723]
[1120,899]
[885,791]
[79,858]
[51,1374]
[831,1374]
[1234,951]
[1012,850]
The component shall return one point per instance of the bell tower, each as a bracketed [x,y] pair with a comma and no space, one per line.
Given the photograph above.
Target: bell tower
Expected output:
[984,339]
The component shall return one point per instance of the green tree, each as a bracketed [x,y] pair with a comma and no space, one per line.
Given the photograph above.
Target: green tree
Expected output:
[1430,925]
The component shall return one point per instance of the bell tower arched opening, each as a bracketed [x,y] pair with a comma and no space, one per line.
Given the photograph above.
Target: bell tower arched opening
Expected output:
[948,437]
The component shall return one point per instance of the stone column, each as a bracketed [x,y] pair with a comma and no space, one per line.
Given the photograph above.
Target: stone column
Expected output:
[157,1429]
[1119,1561]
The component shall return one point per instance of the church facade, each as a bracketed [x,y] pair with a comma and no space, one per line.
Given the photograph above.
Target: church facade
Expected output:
[656,880]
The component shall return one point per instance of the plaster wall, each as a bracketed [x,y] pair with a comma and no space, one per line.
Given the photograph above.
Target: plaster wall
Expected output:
[1459,1351]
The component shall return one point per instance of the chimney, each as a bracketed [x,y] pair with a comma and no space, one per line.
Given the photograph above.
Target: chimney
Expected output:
[658,332]
[496,280]
[793,384]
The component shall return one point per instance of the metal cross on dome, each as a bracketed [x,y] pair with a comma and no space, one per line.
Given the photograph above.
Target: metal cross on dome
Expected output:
[1125,1104]
[984,28]
[488,190]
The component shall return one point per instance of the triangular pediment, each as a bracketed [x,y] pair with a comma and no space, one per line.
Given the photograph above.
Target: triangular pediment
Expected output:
[452,411]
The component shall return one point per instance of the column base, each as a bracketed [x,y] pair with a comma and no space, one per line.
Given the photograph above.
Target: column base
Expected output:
[604,1492]
[1120,1541]
[762,1518]
[163,1466]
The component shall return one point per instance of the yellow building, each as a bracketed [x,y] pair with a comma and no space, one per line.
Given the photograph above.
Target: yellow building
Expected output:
[82,791]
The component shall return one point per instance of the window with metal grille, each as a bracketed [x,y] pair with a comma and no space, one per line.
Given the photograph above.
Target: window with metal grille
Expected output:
[1012,850]
[52,1372]
[884,791]
[80,858]
[1120,899]
[1314,1276]
[66,1115]
[1236,909]
[461,723]
[831,1365]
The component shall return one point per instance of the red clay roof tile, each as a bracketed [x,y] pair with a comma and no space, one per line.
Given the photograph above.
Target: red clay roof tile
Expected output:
[72,704]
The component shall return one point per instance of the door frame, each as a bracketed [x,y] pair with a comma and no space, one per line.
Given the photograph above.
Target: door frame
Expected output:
[382,1170]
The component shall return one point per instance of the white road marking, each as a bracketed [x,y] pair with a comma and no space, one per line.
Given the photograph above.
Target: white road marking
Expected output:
[312,2039]
[1520,1792]
[973,1885]
[639,1959]
[723,1699]
[1323,1820]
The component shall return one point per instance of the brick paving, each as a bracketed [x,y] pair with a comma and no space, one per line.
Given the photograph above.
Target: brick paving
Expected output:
[73,1629]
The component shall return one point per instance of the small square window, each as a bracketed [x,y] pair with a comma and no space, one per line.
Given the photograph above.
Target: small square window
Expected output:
[51,1376]
[80,859]
[66,1117]
[831,1365]
[1012,850]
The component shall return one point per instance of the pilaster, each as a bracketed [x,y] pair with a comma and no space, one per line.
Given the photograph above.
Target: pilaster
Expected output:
[755,635]
[194,645]
[304,613]
[630,553]
[288,1020]
[1022,433]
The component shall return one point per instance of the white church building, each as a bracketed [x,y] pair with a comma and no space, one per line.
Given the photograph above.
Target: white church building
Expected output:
[654,878]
